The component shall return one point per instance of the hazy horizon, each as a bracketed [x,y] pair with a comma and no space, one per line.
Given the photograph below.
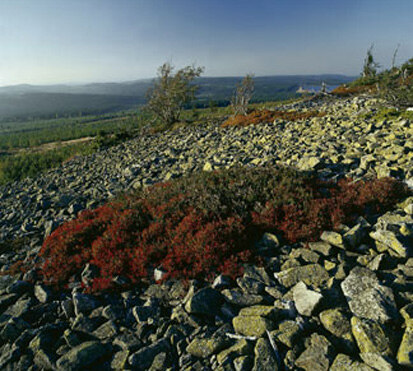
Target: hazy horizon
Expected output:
[101,41]
[153,77]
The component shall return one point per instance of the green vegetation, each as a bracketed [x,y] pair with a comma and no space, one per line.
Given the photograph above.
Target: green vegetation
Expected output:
[386,113]
[31,164]
[37,132]
[171,92]
[395,84]
[29,148]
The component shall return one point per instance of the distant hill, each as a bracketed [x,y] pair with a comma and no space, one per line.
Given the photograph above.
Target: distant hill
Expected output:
[22,101]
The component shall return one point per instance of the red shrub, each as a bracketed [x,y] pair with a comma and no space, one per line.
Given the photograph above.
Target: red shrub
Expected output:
[204,224]
[266,116]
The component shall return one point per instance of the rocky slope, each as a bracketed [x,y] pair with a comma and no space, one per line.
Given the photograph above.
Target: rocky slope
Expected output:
[344,303]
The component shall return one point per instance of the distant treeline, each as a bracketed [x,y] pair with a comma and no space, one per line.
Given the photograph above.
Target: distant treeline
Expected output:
[27,102]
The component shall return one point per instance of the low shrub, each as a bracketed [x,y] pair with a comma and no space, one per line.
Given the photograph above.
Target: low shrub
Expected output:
[346,91]
[266,116]
[206,223]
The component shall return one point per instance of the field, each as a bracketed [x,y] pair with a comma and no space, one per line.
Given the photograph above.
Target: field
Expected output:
[30,147]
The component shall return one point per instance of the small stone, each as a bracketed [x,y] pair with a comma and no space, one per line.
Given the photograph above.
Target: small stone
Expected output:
[252,325]
[311,274]
[160,362]
[377,361]
[306,301]
[204,348]
[240,348]
[206,301]
[144,357]
[158,274]
[322,247]
[354,236]
[405,352]
[241,299]
[243,363]
[120,360]
[221,282]
[370,336]
[367,297]
[105,331]
[392,241]
[337,323]
[84,303]
[265,359]
[287,332]
[42,293]
[318,356]
[343,362]
[208,167]
[333,238]
[309,163]
[82,356]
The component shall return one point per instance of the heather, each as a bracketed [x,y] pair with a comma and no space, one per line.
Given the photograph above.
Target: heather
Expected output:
[205,224]
[264,116]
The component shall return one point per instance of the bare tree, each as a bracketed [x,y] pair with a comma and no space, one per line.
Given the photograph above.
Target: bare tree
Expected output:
[393,61]
[370,65]
[171,92]
[243,95]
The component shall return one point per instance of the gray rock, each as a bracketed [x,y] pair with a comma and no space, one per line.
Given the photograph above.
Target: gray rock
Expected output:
[82,356]
[42,293]
[84,303]
[265,358]
[306,301]
[318,356]
[206,301]
[144,357]
[367,297]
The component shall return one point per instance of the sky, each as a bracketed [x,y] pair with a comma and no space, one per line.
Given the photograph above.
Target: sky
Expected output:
[80,41]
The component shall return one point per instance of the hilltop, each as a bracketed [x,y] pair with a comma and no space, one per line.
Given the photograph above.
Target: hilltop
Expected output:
[342,301]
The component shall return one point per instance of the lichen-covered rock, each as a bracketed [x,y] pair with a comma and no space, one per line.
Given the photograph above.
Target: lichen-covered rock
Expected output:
[339,325]
[265,358]
[203,348]
[84,303]
[398,244]
[241,299]
[318,356]
[311,274]
[287,332]
[378,362]
[82,356]
[206,301]
[367,297]
[240,348]
[405,352]
[343,362]
[144,357]
[370,336]
[309,163]
[120,360]
[333,238]
[252,325]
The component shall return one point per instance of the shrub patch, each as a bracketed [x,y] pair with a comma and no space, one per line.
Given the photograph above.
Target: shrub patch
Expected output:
[266,116]
[206,223]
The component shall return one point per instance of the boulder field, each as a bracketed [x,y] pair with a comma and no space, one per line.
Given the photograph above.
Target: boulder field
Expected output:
[344,302]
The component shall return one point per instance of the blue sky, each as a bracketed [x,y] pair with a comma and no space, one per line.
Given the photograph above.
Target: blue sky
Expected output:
[76,41]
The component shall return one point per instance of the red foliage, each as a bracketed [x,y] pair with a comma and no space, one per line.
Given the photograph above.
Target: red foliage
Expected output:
[168,225]
[266,116]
